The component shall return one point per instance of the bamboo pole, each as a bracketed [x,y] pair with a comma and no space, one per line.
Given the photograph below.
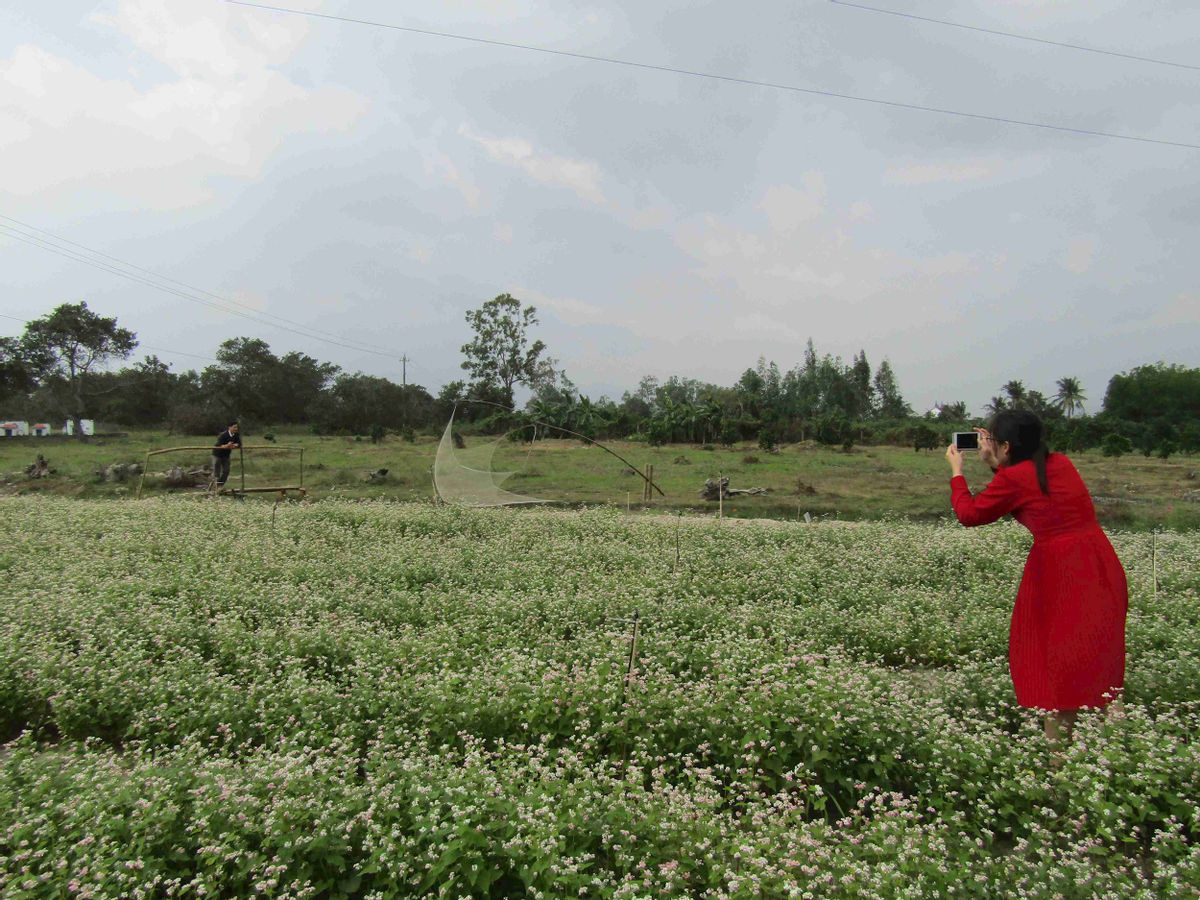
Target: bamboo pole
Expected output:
[1154,561]
[251,447]
[270,490]
[632,650]
[582,437]
[678,519]
[244,490]
[142,480]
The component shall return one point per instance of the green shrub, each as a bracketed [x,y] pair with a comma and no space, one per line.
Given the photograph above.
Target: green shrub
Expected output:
[1115,445]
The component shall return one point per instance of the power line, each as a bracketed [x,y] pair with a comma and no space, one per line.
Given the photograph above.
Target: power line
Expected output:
[141,346]
[178,353]
[1019,37]
[14,318]
[256,313]
[184,291]
[714,77]
[61,251]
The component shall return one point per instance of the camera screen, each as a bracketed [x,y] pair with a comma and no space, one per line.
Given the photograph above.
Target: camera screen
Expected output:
[966,440]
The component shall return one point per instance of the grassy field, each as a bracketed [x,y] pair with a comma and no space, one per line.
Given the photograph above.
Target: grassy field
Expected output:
[867,483]
[377,700]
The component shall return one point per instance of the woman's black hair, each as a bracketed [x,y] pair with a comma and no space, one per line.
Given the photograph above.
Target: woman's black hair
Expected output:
[1023,431]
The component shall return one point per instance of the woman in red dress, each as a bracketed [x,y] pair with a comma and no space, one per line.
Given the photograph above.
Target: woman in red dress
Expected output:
[1066,647]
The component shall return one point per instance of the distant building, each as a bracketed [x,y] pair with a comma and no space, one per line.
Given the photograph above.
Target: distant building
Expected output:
[14,429]
[89,426]
[41,429]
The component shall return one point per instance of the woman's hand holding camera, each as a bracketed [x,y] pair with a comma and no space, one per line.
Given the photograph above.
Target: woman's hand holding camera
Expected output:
[987,452]
[955,458]
[987,449]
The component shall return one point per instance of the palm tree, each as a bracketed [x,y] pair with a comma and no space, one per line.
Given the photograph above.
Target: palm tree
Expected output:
[584,417]
[547,411]
[1016,393]
[996,405]
[1070,396]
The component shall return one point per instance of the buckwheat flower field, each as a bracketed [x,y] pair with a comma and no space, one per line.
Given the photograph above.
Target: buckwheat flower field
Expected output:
[340,700]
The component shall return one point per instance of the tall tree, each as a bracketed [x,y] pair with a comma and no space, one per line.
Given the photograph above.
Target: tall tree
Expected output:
[859,376]
[250,380]
[1070,396]
[1153,392]
[750,394]
[17,373]
[501,355]
[142,394]
[355,403]
[891,403]
[70,343]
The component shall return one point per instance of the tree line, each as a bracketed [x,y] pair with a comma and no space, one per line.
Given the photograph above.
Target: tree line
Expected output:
[60,364]
[57,367]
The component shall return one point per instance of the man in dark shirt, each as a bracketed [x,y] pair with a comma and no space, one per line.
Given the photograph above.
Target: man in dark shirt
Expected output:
[220,456]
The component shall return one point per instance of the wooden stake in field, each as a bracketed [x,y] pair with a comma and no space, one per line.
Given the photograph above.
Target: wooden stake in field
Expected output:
[632,650]
[625,685]
[647,493]
[678,520]
[1154,560]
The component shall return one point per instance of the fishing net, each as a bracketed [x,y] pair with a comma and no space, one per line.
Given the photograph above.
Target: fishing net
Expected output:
[465,477]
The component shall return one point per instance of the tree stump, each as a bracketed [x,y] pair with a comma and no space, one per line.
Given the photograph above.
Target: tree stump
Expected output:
[40,468]
[714,490]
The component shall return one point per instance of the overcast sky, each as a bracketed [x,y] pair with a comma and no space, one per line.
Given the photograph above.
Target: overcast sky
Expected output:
[375,184]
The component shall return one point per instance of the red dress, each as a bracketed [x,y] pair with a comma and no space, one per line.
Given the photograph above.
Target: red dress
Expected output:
[1066,647]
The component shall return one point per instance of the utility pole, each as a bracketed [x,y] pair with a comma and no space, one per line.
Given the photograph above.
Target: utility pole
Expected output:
[404,389]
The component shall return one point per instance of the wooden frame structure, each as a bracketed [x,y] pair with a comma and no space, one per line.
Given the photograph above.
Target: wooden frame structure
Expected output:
[282,490]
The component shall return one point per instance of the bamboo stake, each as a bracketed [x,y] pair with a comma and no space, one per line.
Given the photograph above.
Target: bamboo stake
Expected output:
[142,480]
[1154,561]
[632,650]
[678,520]
[628,678]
